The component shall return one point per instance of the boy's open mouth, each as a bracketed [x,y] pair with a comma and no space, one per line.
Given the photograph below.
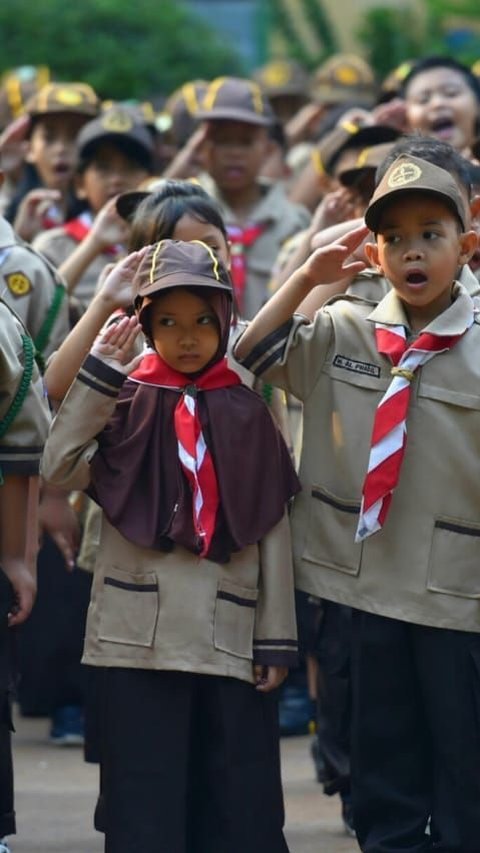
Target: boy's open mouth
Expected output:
[443,125]
[416,278]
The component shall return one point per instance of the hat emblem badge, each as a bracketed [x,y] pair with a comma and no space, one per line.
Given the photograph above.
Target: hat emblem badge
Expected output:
[404,174]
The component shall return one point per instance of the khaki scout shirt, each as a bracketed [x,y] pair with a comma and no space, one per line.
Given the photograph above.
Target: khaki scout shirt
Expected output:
[21,445]
[156,610]
[424,565]
[28,283]
[57,246]
[281,218]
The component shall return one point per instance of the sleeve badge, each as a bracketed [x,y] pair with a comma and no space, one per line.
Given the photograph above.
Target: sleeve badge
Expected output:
[18,284]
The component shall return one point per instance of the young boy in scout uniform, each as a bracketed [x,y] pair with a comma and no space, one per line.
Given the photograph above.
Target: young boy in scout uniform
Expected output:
[387,521]
[258,215]
[115,154]
[24,420]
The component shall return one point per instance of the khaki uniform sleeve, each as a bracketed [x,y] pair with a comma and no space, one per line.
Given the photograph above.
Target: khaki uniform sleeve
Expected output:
[22,432]
[292,356]
[28,284]
[71,444]
[275,633]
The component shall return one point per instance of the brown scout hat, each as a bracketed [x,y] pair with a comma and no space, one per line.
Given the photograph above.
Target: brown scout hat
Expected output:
[341,78]
[349,135]
[179,113]
[173,263]
[282,77]
[392,84]
[236,99]
[116,123]
[411,174]
[77,98]
[368,159]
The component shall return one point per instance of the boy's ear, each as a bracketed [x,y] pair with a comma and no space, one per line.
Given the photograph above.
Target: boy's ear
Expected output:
[475,207]
[469,242]
[371,251]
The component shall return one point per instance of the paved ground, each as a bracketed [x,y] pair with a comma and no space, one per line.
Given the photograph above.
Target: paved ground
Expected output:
[56,792]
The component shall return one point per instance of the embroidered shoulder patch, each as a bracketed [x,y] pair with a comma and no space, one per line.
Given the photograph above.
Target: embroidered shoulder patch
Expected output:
[355,366]
[18,283]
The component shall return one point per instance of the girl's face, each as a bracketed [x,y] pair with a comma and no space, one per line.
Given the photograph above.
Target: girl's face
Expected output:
[184,330]
[189,228]
[440,103]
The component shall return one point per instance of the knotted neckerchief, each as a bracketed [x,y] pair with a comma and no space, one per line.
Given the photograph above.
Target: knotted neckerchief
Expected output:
[389,433]
[241,239]
[193,453]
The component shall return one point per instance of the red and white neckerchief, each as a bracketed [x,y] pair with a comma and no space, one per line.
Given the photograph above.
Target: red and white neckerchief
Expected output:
[241,239]
[193,453]
[389,433]
[79,227]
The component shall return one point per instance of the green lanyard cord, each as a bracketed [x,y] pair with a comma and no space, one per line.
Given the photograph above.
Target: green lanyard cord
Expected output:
[22,390]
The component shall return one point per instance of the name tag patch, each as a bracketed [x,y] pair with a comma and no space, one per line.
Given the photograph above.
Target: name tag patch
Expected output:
[355,366]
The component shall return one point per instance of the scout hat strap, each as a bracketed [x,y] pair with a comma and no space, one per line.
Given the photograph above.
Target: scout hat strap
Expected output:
[197,464]
[390,425]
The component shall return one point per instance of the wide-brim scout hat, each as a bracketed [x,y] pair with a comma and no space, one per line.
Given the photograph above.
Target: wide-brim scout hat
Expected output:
[413,175]
[391,86]
[78,98]
[173,263]
[116,124]
[348,135]
[282,77]
[343,78]
[236,99]
[368,159]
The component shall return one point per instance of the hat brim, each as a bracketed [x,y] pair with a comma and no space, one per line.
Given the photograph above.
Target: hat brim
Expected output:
[127,203]
[225,114]
[375,210]
[182,279]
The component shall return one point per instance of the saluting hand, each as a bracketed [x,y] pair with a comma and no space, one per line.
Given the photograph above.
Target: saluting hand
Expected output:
[114,345]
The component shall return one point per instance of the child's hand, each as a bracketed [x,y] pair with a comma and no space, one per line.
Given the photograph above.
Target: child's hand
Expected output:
[34,207]
[330,263]
[58,518]
[116,285]
[108,227]
[14,144]
[114,345]
[267,678]
[336,206]
[24,590]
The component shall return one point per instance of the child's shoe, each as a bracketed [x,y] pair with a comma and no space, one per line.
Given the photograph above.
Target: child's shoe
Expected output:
[68,728]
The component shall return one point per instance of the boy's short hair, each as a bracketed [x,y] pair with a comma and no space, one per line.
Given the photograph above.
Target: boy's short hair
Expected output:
[441,154]
[77,98]
[429,62]
[236,99]
[119,126]
[412,175]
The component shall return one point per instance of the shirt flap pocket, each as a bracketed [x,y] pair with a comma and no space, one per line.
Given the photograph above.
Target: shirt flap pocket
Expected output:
[447,395]
[235,619]
[129,608]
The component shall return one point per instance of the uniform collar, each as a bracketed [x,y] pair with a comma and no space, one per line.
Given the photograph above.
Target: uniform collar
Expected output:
[454,321]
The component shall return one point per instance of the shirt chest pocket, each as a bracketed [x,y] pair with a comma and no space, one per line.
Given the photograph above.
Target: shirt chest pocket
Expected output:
[129,608]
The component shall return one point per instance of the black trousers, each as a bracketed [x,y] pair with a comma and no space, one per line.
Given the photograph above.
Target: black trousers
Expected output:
[7,813]
[334,700]
[415,737]
[190,764]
